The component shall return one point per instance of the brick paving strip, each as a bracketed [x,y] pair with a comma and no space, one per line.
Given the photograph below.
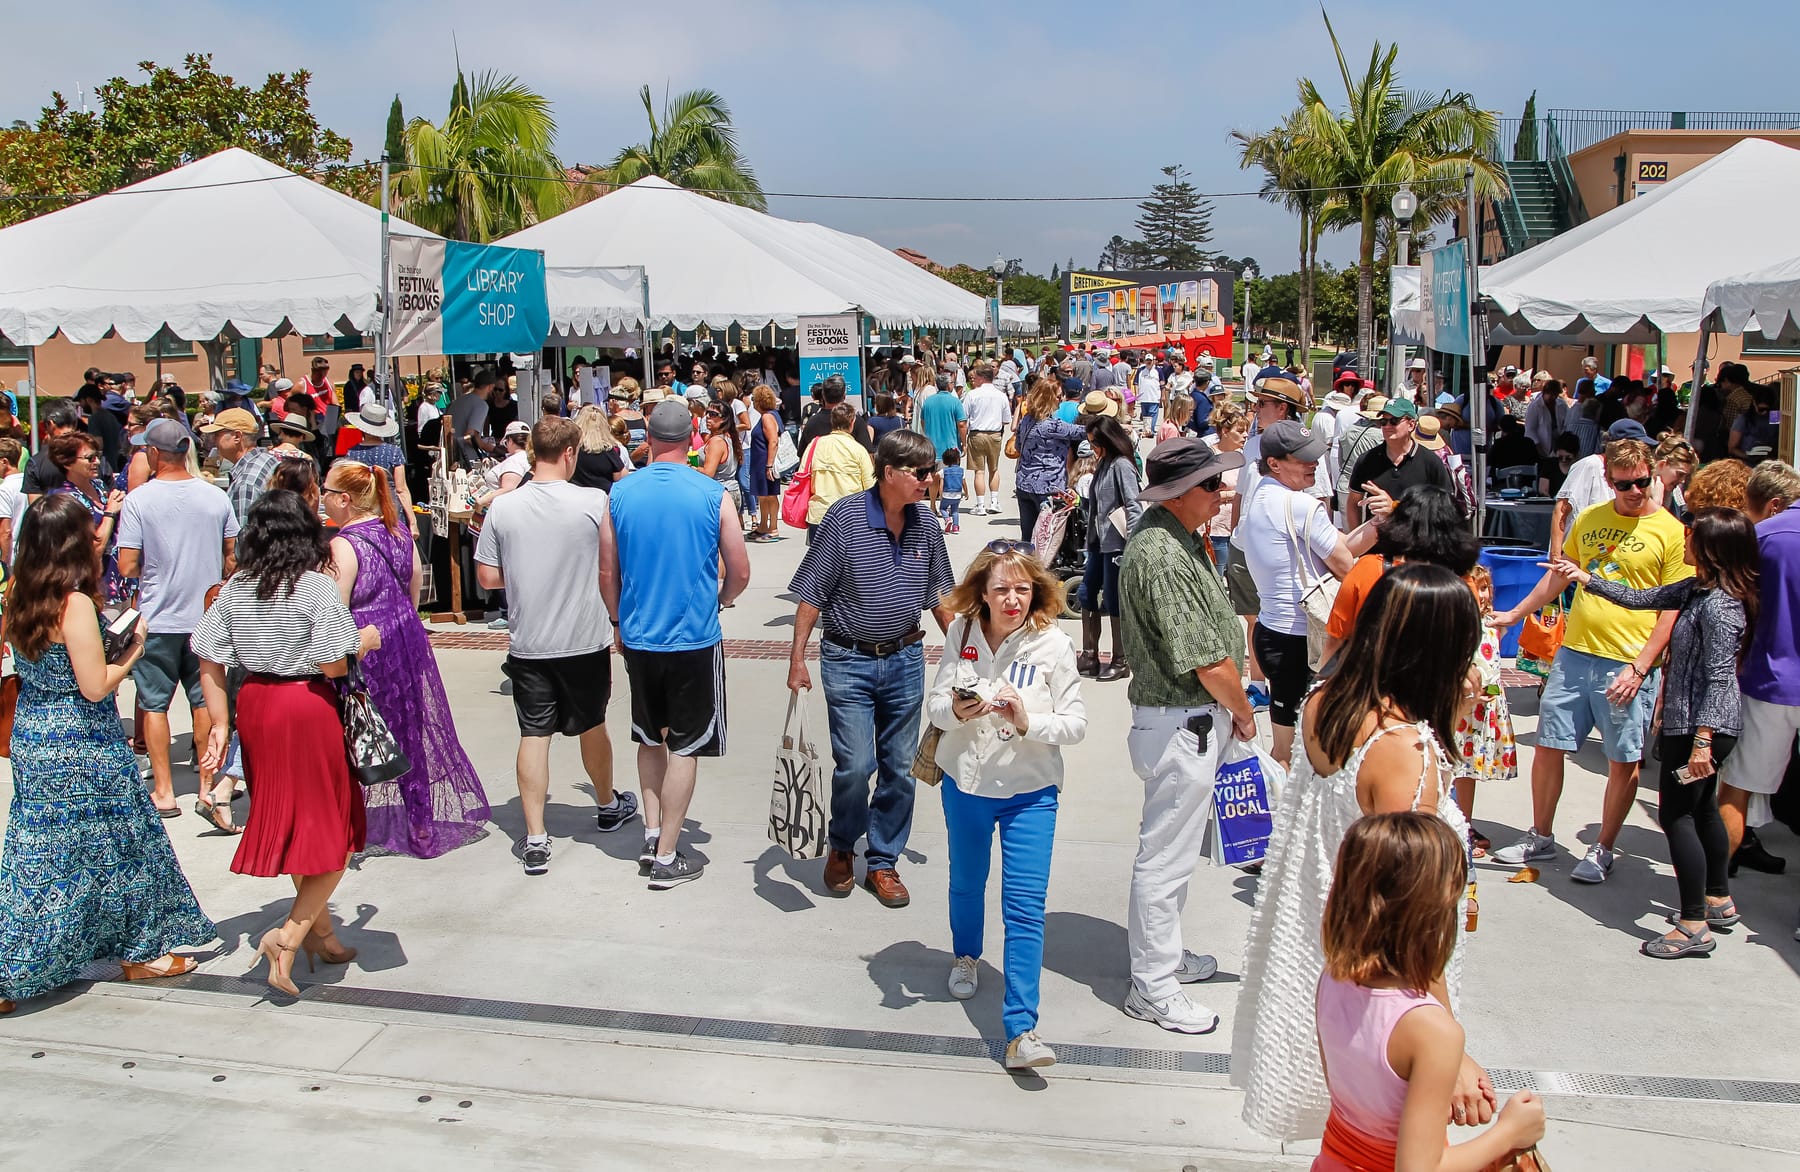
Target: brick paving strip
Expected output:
[777,649]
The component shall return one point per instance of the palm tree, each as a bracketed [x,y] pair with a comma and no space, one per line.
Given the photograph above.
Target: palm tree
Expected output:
[489,169]
[1289,179]
[1384,137]
[692,145]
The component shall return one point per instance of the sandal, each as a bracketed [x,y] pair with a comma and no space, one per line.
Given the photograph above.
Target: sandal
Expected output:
[1697,944]
[171,966]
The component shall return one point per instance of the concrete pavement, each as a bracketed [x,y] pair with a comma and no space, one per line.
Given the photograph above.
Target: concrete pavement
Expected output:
[748,1018]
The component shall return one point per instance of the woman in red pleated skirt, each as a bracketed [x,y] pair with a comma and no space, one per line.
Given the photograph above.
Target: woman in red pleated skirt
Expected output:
[282,620]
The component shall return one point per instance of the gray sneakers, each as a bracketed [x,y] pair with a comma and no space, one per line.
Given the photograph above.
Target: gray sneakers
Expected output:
[1530,848]
[1594,866]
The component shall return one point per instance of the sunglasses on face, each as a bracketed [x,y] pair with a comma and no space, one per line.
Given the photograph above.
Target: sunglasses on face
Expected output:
[1628,485]
[1004,546]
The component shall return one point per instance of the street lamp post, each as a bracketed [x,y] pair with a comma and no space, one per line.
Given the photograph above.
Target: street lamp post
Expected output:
[1249,276]
[1404,205]
[999,271]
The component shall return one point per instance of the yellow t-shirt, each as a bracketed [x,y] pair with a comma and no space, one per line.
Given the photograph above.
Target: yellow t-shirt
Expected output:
[1638,551]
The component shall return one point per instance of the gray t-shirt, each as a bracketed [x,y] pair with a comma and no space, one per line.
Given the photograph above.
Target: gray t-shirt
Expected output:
[180,526]
[468,413]
[545,537]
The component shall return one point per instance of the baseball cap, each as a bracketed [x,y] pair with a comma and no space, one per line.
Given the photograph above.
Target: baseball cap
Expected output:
[1179,464]
[232,419]
[1399,409]
[669,421]
[165,435]
[1293,440]
[1627,429]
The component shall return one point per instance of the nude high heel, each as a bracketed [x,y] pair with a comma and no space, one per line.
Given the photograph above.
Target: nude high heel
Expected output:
[281,963]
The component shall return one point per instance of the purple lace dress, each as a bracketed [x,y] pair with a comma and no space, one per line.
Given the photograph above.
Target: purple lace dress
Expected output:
[439,805]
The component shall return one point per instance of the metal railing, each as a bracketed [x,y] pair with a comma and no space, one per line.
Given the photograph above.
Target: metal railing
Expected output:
[1583,128]
[1574,207]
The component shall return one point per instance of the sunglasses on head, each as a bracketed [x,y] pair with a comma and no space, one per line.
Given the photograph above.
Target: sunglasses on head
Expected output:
[1628,485]
[1004,546]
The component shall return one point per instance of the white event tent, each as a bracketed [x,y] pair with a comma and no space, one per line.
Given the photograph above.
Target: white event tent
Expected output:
[1645,266]
[229,242]
[717,264]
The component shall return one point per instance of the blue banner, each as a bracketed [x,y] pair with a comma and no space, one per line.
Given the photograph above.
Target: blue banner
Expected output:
[495,300]
[1444,296]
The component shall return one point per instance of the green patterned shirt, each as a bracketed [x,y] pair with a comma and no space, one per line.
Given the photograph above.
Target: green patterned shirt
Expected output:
[1174,614]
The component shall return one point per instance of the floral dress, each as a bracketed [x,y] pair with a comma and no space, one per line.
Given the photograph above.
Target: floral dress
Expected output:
[1484,738]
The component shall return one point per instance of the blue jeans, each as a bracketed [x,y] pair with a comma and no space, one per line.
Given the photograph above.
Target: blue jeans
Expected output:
[873,706]
[1027,830]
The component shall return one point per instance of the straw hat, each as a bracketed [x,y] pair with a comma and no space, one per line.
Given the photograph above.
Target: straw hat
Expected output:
[1430,433]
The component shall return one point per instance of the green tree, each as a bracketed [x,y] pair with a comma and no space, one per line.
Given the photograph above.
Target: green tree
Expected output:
[694,145]
[1176,224]
[488,169]
[1525,147]
[170,117]
[396,133]
[1386,136]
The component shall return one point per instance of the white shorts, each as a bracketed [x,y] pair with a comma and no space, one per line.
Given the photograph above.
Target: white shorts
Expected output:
[1760,760]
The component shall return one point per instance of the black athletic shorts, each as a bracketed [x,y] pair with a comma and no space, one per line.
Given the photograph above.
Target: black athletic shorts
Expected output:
[678,699]
[567,695]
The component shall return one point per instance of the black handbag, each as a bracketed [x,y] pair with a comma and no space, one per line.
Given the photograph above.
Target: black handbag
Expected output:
[374,755]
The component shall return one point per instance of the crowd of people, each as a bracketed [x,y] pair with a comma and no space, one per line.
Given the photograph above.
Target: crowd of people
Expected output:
[1263,549]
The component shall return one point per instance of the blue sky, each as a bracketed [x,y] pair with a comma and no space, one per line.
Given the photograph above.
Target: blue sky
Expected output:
[931,97]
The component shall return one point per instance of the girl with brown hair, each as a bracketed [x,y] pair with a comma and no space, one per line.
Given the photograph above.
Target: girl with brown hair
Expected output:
[1391,1051]
[88,873]
[1006,705]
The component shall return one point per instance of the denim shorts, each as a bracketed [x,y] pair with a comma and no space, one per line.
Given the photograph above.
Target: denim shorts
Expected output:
[1574,702]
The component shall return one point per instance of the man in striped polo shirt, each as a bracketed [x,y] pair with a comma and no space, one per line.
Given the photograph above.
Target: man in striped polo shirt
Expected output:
[877,562]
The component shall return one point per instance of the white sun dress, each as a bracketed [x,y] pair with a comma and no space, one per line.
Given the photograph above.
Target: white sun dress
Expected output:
[1274,1043]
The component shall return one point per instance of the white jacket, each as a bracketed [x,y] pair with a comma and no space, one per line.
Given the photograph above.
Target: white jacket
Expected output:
[987,756]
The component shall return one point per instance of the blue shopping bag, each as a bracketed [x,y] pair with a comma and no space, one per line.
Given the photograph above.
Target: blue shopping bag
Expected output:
[1243,797]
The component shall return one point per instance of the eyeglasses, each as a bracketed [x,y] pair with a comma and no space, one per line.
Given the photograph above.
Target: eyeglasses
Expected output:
[923,474]
[1628,485]
[1004,546]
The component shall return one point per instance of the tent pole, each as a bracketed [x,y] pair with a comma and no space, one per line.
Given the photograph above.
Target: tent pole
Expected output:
[31,371]
[385,391]
[1693,396]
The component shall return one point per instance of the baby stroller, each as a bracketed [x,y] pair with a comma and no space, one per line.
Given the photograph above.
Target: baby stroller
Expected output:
[1061,540]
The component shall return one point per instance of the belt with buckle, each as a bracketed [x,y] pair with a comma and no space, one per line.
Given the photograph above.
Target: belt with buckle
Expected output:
[879,650]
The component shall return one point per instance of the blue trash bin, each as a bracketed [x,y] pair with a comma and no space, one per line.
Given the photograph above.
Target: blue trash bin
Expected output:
[1515,572]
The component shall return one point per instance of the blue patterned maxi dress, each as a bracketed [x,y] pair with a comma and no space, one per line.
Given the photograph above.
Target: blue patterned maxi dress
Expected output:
[88,872]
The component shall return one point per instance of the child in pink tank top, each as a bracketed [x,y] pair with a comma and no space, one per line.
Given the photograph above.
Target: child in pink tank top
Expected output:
[1392,1051]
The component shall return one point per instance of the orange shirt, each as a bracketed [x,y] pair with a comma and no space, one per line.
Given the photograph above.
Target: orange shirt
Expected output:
[1353,593]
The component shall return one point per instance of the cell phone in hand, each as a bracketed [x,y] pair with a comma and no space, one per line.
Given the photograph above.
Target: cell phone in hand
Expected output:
[121,635]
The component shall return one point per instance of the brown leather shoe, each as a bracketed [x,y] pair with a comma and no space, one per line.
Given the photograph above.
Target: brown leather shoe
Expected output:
[885,885]
[840,872]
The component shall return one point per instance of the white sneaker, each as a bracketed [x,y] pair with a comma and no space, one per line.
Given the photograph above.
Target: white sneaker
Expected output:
[1177,1014]
[1025,1052]
[1530,847]
[1194,967]
[964,979]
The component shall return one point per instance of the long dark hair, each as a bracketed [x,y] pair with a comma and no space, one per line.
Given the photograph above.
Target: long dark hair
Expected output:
[57,557]
[1426,526]
[282,539]
[1728,558]
[1407,656]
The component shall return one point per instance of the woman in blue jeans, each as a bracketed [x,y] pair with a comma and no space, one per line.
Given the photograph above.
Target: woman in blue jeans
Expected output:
[1007,697]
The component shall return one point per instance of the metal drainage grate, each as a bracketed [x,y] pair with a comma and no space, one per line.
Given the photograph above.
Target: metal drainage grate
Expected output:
[942,1045]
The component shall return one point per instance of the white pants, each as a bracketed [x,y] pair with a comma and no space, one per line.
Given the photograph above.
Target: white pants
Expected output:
[1178,782]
